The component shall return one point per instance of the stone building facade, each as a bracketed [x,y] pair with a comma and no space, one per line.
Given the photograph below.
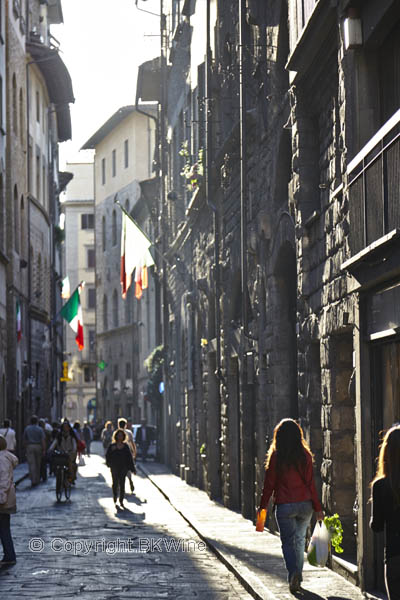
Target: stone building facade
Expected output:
[280,201]
[36,91]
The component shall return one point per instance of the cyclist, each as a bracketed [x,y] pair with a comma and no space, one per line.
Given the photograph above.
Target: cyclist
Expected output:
[66,442]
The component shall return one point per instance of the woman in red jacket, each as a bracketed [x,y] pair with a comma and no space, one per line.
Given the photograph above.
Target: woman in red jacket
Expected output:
[289,474]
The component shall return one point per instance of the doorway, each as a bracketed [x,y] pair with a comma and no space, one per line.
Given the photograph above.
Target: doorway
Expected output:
[385,374]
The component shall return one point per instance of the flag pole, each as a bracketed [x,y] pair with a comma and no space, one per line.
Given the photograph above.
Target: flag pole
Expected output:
[116,201]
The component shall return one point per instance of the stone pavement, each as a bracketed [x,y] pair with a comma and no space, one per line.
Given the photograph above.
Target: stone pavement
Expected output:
[255,558]
[88,548]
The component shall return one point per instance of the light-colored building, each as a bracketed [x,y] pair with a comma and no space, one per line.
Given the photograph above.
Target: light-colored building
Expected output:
[124,148]
[79,265]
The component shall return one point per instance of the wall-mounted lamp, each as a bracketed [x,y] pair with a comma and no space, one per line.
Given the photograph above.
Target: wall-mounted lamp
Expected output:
[352,30]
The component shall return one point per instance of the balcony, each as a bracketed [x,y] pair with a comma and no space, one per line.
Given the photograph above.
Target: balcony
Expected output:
[373,179]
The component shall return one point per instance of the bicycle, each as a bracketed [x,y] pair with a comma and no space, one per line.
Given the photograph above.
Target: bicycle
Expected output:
[61,466]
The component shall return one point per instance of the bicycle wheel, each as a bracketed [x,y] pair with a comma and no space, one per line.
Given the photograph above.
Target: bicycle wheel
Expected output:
[67,486]
[59,483]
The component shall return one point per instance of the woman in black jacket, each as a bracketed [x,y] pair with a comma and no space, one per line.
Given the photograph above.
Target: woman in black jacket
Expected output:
[386,507]
[120,460]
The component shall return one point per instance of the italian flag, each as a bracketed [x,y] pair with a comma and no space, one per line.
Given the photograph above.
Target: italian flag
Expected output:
[19,325]
[135,256]
[72,312]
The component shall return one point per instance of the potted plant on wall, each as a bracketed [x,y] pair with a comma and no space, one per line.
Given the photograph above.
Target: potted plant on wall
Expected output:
[192,171]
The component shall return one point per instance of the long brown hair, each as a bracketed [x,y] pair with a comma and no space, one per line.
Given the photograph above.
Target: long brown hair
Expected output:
[289,444]
[389,461]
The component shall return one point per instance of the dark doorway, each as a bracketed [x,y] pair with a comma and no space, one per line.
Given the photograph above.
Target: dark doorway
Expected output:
[385,378]
[284,323]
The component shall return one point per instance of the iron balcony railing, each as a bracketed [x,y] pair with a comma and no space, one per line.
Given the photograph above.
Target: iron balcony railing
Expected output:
[373,179]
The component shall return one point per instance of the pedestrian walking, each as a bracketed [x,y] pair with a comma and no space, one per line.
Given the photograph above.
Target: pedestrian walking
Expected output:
[122,424]
[119,459]
[54,433]
[8,432]
[385,512]
[289,474]
[47,441]
[66,442]
[35,448]
[144,436]
[8,501]
[107,435]
[87,436]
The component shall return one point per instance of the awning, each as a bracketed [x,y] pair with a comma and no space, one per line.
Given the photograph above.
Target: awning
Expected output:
[58,83]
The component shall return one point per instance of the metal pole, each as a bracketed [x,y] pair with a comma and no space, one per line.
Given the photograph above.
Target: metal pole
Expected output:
[243,164]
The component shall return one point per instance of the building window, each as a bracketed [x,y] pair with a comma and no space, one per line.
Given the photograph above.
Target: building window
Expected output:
[89,374]
[87,221]
[91,298]
[44,182]
[103,232]
[103,171]
[16,220]
[114,228]
[38,107]
[105,312]
[38,174]
[14,104]
[21,114]
[114,163]
[92,340]
[126,154]
[115,308]
[30,164]
[91,258]
[39,277]
[115,370]
[128,370]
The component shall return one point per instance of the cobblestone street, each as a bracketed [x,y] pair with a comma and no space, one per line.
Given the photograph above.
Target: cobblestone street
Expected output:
[76,549]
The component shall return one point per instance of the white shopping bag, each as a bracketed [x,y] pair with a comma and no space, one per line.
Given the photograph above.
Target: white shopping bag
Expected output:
[318,548]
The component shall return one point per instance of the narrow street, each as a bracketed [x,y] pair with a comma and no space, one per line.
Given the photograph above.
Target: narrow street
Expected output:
[86,548]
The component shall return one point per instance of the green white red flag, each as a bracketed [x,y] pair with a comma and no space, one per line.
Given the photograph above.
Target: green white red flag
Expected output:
[135,256]
[72,312]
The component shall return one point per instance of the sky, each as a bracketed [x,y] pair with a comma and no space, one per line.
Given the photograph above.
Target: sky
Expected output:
[102,43]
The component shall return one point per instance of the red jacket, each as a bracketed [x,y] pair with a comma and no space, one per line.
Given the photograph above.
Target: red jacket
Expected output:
[292,485]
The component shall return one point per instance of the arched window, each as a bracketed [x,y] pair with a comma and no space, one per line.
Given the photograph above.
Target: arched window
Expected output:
[115,308]
[103,232]
[105,313]
[16,219]
[21,115]
[23,235]
[14,104]
[114,228]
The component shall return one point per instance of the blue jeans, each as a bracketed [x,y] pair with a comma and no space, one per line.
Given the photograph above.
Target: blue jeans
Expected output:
[293,519]
[5,537]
